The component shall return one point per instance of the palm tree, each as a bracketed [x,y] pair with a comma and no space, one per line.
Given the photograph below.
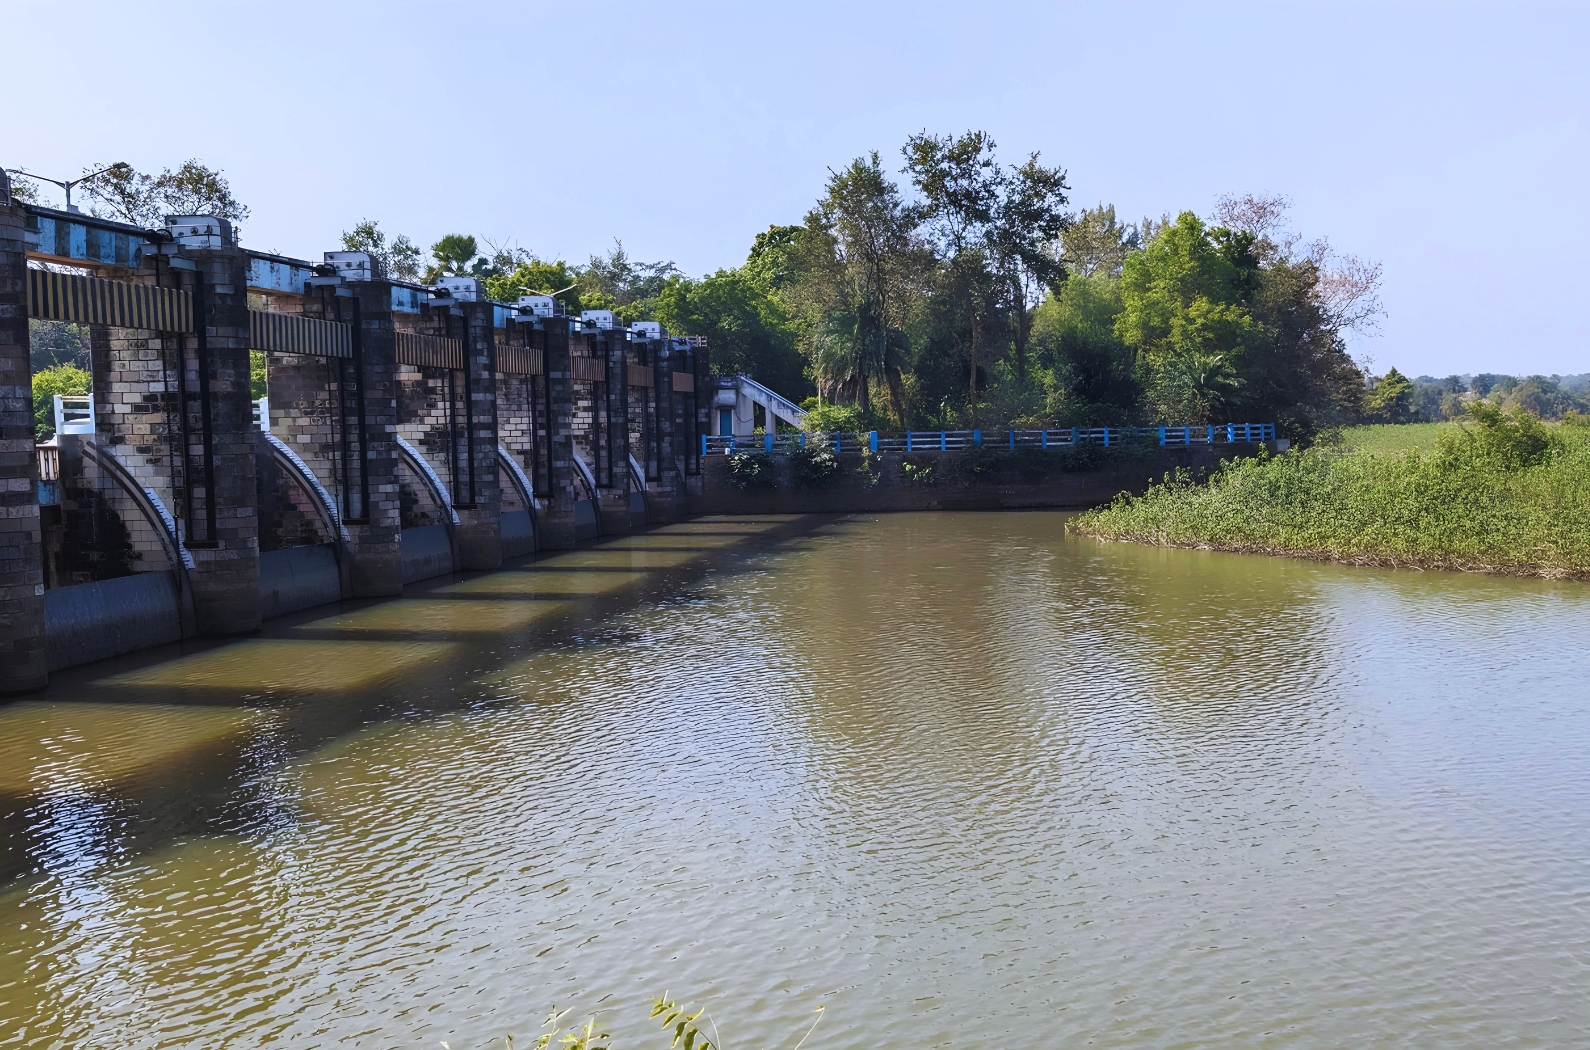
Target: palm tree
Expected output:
[851,351]
[1200,384]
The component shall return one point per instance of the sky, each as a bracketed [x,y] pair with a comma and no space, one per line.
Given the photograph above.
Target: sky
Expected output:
[1446,141]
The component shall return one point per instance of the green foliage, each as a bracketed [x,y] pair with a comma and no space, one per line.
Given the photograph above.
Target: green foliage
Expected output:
[919,471]
[746,327]
[1512,440]
[57,343]
[532,276]
[451,257]
[127,195]
[813,466]
[1180,296]
[829,418]
[1094,382]
[1495,500]
[687,1033]
[752,471]
[399,260]
[256,374]
[1391,400]
[47,382]
[616,282]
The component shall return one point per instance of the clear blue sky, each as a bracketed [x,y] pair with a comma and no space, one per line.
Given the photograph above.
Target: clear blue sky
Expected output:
[1447,141]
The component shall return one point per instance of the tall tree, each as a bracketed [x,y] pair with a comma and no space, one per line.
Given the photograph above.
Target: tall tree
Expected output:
[1096,244]
[123,193]
[961,183]
[863,263]
[1028,220]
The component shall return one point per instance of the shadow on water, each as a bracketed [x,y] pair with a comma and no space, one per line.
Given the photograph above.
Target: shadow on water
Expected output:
[126,755]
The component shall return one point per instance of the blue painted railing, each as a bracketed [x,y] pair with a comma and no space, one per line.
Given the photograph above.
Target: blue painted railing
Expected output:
[954,440]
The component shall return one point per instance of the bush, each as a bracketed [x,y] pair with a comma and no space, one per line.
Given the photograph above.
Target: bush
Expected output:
[919,471]
[751,471]
[1511,439]
[47,382]
[836,419]
[813,466]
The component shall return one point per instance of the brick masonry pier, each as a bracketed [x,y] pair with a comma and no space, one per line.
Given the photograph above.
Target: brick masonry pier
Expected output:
[407,432]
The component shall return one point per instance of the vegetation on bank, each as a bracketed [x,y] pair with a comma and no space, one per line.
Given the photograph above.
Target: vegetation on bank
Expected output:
[678,1023]
[819,467]
[1501,492]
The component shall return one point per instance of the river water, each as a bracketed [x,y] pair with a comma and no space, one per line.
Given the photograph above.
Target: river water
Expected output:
[951,777]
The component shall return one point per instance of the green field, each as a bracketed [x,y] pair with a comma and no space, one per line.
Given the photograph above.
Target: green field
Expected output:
[1390,437]
[1512,497]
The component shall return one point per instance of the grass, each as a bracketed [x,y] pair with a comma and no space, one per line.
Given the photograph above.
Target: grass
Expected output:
[1503,495]
[1393,437]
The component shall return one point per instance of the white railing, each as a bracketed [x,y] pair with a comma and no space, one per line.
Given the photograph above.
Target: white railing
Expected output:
[74,413]
[262,414]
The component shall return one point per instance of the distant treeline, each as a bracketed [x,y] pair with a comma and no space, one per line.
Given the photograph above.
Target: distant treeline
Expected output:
[1549,397]
[967,293]
[953,290]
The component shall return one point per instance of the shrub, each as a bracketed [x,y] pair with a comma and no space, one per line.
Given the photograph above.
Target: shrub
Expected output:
[1510,439]
[813,466]
[922,471]
[47,382]
[1502,497]
[836,419]
[750,471]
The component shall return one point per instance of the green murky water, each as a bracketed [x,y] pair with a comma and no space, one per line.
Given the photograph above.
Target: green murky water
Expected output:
[954,776]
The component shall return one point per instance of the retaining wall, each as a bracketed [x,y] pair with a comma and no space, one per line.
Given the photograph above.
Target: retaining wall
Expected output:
[880,482]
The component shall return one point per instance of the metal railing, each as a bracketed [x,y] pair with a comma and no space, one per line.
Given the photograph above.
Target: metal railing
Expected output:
[74,413]
[1167,436]
[914,441]
[261,414]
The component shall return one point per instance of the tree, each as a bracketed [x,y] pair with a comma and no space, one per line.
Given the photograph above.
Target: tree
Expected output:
[960,183]
[863,262]
[47,382]
[1095,380]
[398,261]
[775,261]
[121,192]
[1028,220]
[1391,400]
[747,329]
[537,276]
[451,257]
[57,343]
[622,282]
[1179,295]
[1095,244]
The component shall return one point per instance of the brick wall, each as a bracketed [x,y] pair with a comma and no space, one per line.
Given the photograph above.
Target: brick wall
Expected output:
[22,656]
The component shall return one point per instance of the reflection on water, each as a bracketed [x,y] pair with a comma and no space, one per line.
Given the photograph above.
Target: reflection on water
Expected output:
[955,776]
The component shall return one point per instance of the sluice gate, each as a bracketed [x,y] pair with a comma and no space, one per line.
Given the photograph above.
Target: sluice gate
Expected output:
[406,431]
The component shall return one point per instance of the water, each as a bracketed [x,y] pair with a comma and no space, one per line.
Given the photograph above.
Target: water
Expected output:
[953,777]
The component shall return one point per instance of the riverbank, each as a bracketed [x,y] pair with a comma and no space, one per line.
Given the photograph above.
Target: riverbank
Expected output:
[1505,495]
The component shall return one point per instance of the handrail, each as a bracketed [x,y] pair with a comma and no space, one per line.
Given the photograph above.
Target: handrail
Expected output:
[776,403]
[914,441]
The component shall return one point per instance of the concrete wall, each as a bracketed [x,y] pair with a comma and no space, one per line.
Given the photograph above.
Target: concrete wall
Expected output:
[880,483]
